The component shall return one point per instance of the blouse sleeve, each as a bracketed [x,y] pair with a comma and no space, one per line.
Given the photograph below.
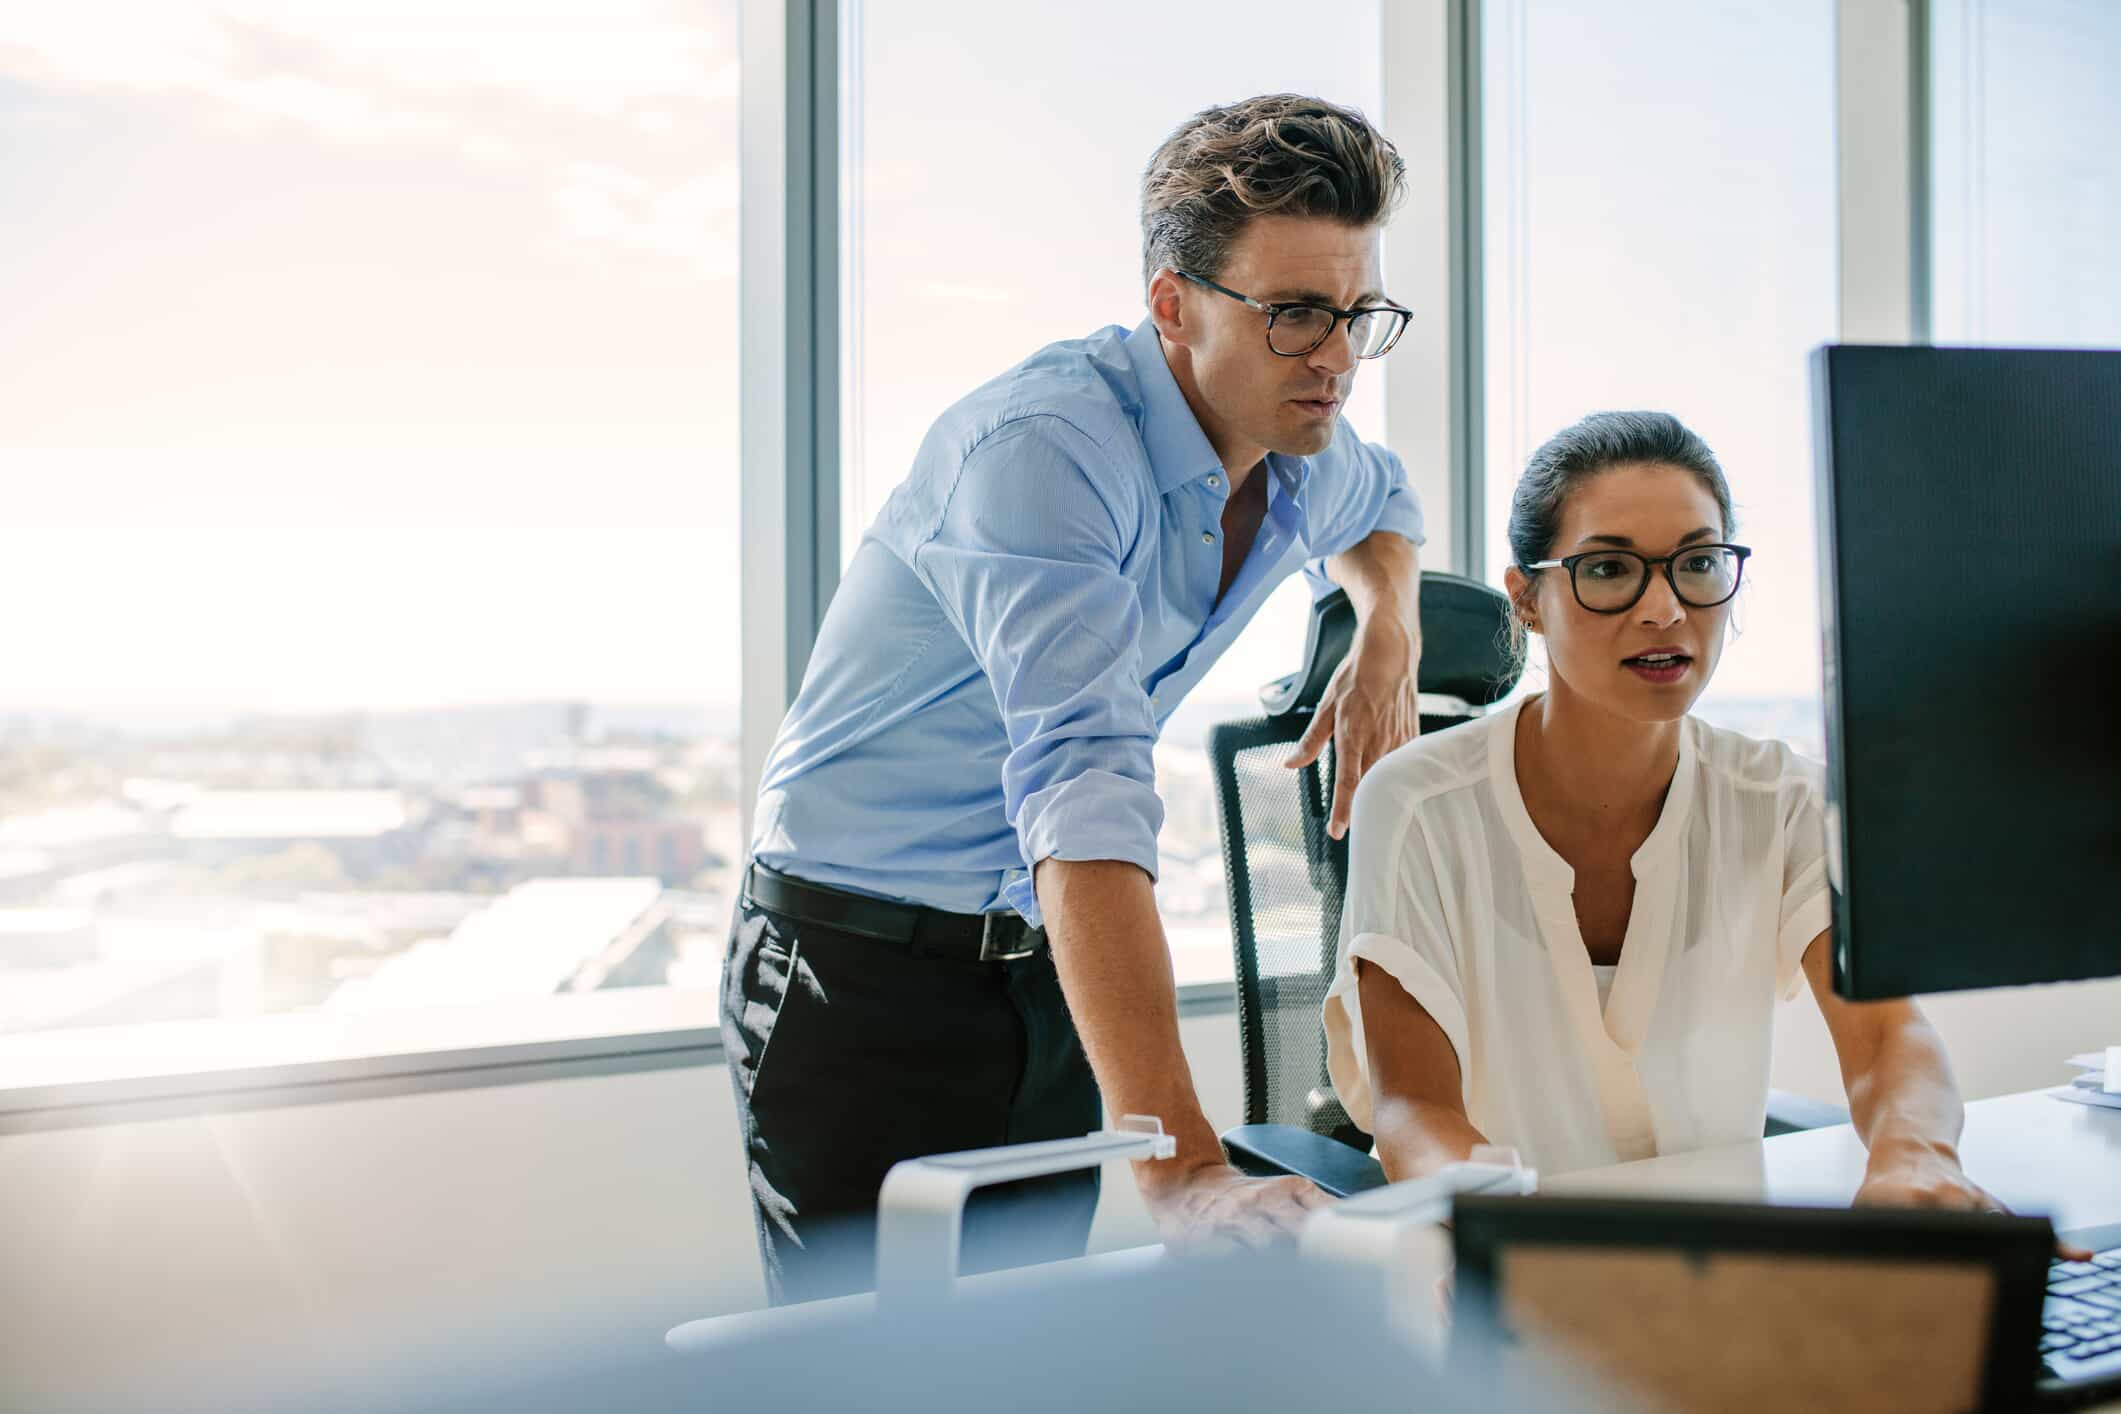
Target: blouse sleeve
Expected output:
[1393,918]
[1807,907]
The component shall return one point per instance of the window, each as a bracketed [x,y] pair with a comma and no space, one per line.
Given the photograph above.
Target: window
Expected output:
[1000,212]
[2026,178]
[1660,233]
[370,532]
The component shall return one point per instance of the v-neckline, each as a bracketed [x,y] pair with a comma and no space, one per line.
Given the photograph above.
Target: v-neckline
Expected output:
[1610,1037]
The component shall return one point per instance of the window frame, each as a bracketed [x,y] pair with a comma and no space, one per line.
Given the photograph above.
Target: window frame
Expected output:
[792,75]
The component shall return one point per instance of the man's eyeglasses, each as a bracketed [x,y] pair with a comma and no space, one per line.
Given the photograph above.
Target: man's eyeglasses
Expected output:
[1296,327]
[1614,581]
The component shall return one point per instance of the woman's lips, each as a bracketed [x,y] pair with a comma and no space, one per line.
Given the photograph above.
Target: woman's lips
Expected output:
[1659,667]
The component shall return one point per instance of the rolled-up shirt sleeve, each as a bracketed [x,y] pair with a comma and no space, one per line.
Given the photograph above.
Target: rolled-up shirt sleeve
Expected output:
[1366,490]
[1026,561]
[1393,918]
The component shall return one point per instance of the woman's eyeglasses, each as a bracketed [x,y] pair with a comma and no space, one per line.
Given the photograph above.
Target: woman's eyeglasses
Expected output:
[1614,581]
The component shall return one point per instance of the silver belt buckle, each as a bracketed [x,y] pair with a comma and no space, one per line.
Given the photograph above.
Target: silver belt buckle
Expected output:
[991,947]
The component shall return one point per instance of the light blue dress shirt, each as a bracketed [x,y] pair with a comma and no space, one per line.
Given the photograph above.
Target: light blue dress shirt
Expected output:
[1018,624]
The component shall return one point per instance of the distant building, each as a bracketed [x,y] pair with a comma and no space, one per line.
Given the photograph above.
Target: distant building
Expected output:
[46,937]
[366,830]
[84,835]
[118,972]
[541,938]
[598,823]
[25,874]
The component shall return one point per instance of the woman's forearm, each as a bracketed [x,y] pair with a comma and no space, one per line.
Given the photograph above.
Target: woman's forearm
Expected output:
[1415,1138]
[1415,1112]
[1902,1094]
[1902,1098]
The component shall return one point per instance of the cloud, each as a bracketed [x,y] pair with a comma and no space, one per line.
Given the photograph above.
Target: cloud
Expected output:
[693,220]
[616,109]
[970,294]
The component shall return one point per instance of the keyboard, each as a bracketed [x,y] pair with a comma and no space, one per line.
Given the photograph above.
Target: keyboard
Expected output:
[2081,1323]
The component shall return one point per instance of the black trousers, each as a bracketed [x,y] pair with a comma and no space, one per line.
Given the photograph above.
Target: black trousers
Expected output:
[849,1055]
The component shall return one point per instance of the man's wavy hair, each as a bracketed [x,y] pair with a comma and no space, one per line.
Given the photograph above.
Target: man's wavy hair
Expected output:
[1281,154]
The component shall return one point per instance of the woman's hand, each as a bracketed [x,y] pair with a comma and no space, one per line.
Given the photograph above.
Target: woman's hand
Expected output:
[1919,1174]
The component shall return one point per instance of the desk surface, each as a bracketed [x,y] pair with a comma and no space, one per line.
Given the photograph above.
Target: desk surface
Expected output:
[2038,1154]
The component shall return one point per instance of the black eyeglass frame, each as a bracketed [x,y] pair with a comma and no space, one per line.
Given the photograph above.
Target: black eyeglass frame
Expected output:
[1276,311]
[1648,563]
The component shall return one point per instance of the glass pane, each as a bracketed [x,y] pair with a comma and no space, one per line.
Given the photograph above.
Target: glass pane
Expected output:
[2027,172]
[1000,212]
[370,535]
[1660,210]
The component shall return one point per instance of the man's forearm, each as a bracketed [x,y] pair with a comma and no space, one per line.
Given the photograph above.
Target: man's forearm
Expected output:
[1382,574]
[1115,970]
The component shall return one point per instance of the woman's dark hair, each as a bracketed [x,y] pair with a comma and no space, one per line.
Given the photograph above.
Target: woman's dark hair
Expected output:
[1581,451]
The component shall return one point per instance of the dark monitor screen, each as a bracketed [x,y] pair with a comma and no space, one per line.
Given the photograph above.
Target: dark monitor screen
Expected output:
[1969,505]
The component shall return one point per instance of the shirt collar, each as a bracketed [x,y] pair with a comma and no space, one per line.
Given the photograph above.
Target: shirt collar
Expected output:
[1179,452]
[1291,474]
[1544,867]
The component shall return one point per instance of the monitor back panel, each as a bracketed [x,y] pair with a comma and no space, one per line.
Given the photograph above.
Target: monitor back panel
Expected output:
[1969,503]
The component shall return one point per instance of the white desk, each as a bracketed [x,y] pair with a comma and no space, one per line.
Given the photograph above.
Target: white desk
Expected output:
[2036,1153]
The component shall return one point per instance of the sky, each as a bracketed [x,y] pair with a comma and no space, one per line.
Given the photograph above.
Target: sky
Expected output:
[384,354]
[367,354]
[1678,254]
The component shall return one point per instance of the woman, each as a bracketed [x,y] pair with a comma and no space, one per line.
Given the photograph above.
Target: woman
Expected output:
[1568,924]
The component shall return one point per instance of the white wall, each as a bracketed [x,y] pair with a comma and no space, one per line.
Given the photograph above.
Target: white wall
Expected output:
[144,1258]
[2005,1040]
[141,1259]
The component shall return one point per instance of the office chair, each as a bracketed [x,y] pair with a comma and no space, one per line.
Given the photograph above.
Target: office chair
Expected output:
[1286,880]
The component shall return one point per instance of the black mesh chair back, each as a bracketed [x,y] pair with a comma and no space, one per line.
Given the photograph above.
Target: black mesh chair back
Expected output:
[1286,875]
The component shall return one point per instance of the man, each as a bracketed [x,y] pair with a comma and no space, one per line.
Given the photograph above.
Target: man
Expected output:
[948,938]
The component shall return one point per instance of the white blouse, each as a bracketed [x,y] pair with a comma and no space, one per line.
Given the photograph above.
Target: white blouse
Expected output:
[1452,890]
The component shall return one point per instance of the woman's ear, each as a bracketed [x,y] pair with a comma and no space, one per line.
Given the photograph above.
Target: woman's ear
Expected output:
[1518,585]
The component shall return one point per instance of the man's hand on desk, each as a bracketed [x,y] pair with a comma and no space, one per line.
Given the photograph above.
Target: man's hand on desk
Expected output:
[1214,1202]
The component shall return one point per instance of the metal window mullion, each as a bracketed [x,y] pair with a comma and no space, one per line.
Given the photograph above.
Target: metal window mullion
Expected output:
[789,308]
[1469,279]
[1433,395]
[823,393]
[1882,138]
[1920,247]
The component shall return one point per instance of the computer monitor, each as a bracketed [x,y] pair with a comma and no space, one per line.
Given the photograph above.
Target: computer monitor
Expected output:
[1969,505]
[1741,1307]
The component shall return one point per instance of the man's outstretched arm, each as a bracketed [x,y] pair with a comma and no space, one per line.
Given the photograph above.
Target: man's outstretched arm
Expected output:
[1115,969]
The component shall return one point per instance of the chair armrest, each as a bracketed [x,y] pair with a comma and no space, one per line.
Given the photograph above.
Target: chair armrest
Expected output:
[1787,1113]
[1273,1149]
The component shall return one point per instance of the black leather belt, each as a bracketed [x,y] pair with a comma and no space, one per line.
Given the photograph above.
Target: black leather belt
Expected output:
[924,932]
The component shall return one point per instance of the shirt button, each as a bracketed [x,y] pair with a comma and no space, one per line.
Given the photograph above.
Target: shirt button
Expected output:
[1214,481]
[1207,537]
